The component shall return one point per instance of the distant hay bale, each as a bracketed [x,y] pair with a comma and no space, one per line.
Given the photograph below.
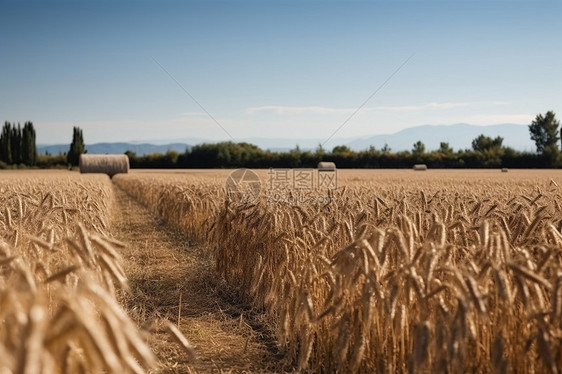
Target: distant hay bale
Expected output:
[505,170]
[106,164]
[326,166]
[420,167]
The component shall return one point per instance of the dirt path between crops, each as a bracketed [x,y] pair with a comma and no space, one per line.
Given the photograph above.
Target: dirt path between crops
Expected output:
[164,267]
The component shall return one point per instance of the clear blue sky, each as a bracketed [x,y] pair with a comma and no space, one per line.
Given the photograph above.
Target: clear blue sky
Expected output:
[291,69]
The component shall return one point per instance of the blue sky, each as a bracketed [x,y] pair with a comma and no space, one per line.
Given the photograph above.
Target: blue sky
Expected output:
[288,69]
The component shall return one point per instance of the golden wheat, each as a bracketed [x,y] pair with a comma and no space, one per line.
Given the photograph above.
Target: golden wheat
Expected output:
[60,274]
[405,272]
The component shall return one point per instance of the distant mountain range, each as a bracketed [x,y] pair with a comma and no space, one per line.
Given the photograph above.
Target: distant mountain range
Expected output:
[459,136]
[101,148]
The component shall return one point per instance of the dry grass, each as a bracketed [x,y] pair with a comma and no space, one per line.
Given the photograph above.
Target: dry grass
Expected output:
[60,274]
[425,272]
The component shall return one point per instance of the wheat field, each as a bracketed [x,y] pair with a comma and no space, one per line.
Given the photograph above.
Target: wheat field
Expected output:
[401,271]
[60,276]
[438,271]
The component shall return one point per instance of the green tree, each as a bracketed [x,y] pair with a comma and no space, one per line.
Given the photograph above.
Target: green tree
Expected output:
[171,158]
[386,149]
[551,155]
[544,132]
[15,143]
[483,143]
[224,154]
[77,147]
[341,149]
[5,143]
[319,152]
[419,148]
[28,146]
[445,148]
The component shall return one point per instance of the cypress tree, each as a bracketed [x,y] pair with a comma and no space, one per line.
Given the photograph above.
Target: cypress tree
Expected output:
[5,143]
[15,143]
[29,148]
[76,147]
[34,144]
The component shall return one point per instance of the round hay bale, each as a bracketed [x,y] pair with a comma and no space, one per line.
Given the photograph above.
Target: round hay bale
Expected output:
[420,167]
[106,164]
[326,166]
[505,170]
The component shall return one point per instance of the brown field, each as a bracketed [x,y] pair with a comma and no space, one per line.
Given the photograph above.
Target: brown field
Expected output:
[402,271]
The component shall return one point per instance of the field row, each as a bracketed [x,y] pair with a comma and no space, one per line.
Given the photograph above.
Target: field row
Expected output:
[400,271]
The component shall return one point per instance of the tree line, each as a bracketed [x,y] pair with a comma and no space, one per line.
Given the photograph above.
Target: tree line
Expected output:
[17,147]
[486,152]
[17,144]
[237,155]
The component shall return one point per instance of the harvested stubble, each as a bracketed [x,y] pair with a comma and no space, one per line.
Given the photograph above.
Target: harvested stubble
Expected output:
[59,275]
[106,164]
[452,274]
